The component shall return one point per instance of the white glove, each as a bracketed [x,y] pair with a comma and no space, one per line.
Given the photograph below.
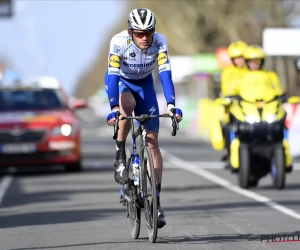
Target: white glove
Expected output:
[170,106]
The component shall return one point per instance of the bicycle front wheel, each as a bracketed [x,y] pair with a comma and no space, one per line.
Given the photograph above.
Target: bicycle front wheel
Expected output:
[149,193]
[134,212]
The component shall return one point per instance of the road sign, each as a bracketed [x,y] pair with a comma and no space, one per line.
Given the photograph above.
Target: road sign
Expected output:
[281,41]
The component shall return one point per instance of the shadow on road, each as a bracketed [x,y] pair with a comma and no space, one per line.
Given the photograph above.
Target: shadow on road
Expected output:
[289,186]
[190,188]
[51,170]
[71,216]
[56,217]
[226,238]
[191,239]
[209,239]
[140,240]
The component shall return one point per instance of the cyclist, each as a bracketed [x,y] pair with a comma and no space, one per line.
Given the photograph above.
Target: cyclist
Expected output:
[133,55]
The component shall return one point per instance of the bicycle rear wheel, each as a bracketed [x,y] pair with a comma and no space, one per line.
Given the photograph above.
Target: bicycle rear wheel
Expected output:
[149,193]
[134,213]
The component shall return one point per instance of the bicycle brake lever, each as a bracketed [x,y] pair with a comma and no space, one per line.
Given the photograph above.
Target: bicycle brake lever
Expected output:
[116,126]
[174,122]
[174,127]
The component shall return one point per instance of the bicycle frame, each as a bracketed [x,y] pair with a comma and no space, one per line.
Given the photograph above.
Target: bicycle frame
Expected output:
[141,130]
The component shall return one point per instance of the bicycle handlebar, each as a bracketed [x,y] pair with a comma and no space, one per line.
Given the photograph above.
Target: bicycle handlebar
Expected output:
[146,117]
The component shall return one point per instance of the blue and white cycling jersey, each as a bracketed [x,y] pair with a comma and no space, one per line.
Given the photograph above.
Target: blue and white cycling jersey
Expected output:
[128,62]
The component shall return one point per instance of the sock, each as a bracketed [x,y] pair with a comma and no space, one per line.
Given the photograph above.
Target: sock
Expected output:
[120,147]
[158,197]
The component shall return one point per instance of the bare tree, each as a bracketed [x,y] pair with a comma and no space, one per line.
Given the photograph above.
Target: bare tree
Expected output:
[196,26]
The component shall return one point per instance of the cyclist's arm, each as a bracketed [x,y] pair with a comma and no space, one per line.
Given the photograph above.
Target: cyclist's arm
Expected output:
[164,69]
[114,64]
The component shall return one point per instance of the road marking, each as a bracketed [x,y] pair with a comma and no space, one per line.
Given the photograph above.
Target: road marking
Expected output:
[226,184]
[220,164]
[4,184]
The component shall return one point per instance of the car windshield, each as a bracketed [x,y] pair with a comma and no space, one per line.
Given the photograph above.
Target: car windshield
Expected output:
[31,99]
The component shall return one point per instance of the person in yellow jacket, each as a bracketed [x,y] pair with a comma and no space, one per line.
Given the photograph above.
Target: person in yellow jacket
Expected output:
[229,80]
[232,74]
[254,58]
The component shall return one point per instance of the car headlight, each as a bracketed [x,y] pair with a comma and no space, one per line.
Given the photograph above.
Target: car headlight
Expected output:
[65,130]
[271,118]
[251,119]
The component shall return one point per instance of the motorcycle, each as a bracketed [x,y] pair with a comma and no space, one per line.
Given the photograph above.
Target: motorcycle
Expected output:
[257,135]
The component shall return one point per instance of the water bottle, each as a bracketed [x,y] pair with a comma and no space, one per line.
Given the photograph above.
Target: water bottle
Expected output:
[136,170]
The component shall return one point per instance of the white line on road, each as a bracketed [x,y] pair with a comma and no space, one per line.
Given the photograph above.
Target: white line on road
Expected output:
[226,184]
[220,165]
[4,184]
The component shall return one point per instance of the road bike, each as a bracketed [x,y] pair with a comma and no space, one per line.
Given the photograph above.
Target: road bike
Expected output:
[141,189]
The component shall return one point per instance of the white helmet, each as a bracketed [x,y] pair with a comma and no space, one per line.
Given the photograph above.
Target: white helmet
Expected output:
[141,19]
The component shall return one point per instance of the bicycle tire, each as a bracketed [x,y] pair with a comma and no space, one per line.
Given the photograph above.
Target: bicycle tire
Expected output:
[150,208]
[134,213]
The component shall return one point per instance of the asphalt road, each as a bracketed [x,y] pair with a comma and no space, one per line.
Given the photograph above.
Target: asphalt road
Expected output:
[49,209]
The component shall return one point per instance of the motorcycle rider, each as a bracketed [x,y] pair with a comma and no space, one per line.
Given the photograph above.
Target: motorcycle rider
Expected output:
[231,75]
[229,79]
[254,58]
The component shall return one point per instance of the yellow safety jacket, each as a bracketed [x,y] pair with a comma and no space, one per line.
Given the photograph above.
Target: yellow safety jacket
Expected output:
[230,78]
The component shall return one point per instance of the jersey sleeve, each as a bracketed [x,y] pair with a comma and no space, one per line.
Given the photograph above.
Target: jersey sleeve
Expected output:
[114,64]
[225,84]
[164,69]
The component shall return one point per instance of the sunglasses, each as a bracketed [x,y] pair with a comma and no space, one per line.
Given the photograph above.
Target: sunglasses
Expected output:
[259,61]
[142,34]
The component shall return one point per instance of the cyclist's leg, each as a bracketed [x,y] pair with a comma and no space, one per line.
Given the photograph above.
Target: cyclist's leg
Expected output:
[146,103]
[127,104]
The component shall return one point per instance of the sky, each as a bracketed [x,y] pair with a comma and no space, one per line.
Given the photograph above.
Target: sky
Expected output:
[60,38]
